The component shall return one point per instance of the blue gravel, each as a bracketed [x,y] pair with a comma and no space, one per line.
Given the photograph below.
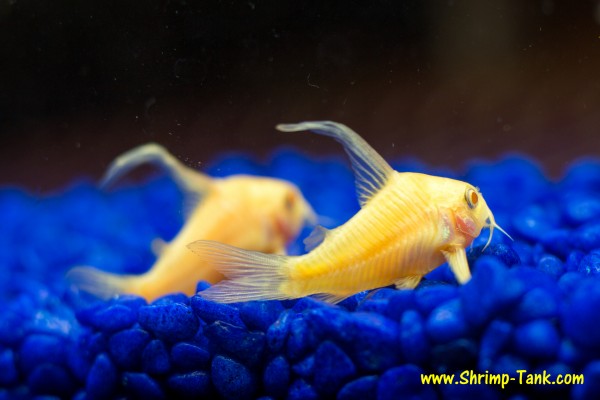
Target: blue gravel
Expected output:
[532,303]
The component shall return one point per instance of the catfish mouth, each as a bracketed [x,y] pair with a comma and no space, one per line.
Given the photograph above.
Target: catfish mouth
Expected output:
[284,229]
[490,222]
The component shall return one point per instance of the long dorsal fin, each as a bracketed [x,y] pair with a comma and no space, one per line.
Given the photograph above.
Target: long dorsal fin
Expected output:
[370,169]
[195,184]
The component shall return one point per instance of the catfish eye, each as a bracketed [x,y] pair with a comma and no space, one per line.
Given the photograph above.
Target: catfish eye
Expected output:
[472,198]
[289,201]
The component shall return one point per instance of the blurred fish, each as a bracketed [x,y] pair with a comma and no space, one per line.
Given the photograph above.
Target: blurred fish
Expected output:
[250,212]
[409,224]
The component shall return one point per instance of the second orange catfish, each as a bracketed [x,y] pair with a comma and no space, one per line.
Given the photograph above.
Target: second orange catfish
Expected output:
[254,213]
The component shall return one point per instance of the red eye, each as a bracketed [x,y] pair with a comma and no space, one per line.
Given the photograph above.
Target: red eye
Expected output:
[472,198]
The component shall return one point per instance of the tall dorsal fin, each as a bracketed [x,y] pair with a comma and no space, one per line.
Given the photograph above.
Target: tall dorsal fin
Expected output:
[195,184]
[370,169]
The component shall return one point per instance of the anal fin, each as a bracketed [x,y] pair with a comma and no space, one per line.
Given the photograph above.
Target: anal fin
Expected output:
[408,282]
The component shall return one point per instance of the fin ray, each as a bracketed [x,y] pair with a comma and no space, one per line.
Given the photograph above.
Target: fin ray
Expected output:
[194,183]
[253,275]
[457,260]
[316,237]
[370,169]
[99,283]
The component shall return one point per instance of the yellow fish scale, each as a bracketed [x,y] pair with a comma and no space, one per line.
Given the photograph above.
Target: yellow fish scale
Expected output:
[389,239]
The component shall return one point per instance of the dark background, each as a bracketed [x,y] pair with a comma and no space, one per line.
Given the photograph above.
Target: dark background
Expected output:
[444,81]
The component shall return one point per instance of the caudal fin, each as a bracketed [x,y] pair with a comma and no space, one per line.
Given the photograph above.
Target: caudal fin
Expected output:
[251,275]
[99,283]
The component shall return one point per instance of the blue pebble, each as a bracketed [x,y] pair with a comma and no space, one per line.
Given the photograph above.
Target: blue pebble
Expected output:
[172,298]
[359,389]
[569,282]
[505,253]
[509,364]
[490,292]
[570,354]
[532,222]
[307,303]
[378,306]
[131,301]
[455,356]
[370,339]
[278,331]
[352,302]
[590,264]
[404,383]
[430,297]
[260,315]
[413,341]
[202,286]
[301,390]
[114,318]
[276,377]
[557,241]
[9,373]
[551,265]
[578,313]
[537,303]
[446,322]
[587,237]
[475,391]
[333,368]
[494,340]
[537,339]
[401,301]
[155,358]
[141,386]
[583,175]
[232,379]
[246,347]
[305,368]
[126,347]
[38,349]
[188,357]
[301,339]
[210,311]
[194,384]
[101,382]
[573,260]
[51,379]
[174,322]
[591,388]
[79,360]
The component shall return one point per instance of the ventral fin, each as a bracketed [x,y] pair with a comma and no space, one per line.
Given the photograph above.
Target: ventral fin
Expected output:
[371,170]
[457,260]
[315,238]
[408,282]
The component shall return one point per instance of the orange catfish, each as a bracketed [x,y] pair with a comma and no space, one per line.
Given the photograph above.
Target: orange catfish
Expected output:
[250,212]
[408,224]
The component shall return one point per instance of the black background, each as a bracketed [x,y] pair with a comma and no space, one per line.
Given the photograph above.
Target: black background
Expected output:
[444,81]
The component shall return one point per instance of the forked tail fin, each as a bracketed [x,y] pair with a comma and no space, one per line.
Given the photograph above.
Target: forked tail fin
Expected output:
[99,283]
[251,275]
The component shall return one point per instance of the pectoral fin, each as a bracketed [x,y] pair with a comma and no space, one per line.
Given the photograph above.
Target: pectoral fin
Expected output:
[315,238]
[371,170]
[457,259]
